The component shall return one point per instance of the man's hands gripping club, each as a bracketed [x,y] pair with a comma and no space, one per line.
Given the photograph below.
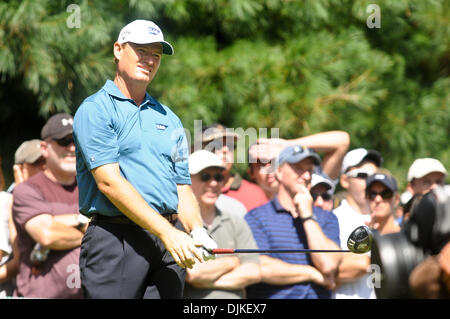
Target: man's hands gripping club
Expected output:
[203,240]
[186,250]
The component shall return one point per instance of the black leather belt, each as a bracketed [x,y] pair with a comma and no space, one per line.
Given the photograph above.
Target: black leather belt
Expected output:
[171,218]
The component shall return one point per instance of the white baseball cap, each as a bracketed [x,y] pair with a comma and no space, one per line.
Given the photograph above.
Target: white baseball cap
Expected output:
[317,179]
[423,166]
[357,156]
[144,32]
[202,159]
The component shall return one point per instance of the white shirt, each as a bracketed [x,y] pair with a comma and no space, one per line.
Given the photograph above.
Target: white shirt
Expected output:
[349,220]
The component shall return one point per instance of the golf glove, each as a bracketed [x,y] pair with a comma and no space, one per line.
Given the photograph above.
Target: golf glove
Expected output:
[201,237]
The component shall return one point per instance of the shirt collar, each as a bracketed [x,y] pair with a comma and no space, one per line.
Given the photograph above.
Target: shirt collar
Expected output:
[111,88]
[277,205]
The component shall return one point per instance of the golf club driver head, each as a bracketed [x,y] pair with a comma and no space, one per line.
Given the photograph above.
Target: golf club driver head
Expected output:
[360,240]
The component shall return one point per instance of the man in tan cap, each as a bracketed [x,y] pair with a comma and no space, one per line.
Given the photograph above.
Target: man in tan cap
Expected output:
[28,160]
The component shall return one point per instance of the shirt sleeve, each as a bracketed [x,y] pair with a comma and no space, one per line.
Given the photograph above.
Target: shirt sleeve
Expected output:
[28,203]
[94,134]
[329,224]
[244,239]
[257,229]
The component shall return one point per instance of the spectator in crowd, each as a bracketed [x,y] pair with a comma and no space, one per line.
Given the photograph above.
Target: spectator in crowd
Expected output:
[322,190]
[226,276]
[353,212]
[333,145]
[290,221]
[424,175]
[45,211]
[28,161]
[382,195]
[216,138]
[133,176]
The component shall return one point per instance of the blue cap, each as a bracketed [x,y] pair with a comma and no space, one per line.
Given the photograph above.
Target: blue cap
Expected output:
[385,179]
[296,153]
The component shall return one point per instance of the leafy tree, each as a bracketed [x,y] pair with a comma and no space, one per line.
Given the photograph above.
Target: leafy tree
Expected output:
[300,66]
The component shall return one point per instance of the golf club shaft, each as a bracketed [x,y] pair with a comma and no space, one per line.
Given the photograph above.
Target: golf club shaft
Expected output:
[219,251]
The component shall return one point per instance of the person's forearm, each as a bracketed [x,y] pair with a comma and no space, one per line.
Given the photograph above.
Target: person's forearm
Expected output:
[238,278]
[278,272]
[326,263]
[352,267]
[125,197]
[67,219]
[333,143]
[61,237]
[188,208]
[206,273]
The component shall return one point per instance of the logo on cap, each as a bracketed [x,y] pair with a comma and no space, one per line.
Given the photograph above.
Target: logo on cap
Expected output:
[66,122]
[153,31]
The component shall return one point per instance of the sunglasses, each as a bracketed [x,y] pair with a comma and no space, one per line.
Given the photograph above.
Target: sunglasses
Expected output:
[356,174]
[65,141]
[205,177]
[386,194]
[325,196]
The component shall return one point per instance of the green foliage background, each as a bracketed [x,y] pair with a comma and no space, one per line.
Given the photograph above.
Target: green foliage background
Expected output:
[301,66]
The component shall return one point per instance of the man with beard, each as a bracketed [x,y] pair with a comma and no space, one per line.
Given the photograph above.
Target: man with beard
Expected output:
[45,212]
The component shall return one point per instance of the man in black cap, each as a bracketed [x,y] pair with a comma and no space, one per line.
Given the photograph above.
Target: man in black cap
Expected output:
[290,221]
[45,212]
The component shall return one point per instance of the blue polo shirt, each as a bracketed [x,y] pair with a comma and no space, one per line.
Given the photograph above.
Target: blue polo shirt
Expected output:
[274,227]
[148,142]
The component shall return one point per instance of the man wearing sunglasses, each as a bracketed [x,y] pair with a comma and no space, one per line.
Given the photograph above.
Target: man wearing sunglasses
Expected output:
[383,198]
[290,221]
[45,212]
[352,212]
[228,275]
[218,139]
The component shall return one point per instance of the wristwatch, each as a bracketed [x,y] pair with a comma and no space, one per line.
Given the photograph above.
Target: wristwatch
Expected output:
[313,217]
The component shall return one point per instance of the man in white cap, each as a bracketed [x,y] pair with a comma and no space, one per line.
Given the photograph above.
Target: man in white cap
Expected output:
[227,276]
[133,176]
[322,190]
[425,174]
[354,211]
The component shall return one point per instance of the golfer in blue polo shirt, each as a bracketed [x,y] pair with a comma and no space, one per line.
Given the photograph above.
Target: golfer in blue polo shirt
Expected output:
[290,221]
[134,182]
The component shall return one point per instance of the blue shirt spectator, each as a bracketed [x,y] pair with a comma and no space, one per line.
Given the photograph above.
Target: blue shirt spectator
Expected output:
[274,228]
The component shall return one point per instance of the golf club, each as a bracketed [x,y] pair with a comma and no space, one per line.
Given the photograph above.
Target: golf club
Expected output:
[359,242]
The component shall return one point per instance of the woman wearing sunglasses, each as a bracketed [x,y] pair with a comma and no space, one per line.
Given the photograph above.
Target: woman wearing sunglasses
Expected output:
[383,198]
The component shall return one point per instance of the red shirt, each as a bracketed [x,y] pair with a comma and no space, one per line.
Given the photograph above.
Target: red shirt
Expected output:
[249,194]
[39,195]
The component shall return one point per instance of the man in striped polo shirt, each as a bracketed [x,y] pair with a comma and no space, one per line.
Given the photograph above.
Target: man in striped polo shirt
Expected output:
[290,221]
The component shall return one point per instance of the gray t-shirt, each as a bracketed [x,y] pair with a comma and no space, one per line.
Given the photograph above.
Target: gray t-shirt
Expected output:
[228,231]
